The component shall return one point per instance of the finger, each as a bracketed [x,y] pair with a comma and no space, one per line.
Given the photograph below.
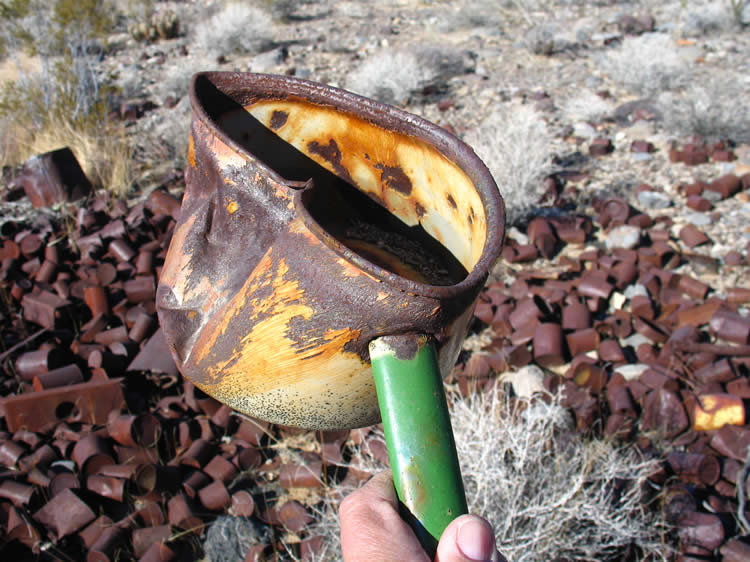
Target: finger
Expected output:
[467,539]
[371,528]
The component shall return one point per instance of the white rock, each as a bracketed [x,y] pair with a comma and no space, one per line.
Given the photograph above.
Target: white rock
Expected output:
[623,236]
[698,219]
[712,196]
[633,290]
[617,300]
[642,156]
[718,251]
[584,130]
[654,199]
[526,381]
[631,372]
[518,236]
[635,340]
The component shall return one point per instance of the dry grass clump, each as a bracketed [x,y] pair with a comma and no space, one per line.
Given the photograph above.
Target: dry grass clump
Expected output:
[714,109]
[390,76]
[701,18]
[646,64]
[550,493]
[237,28]
[586,106]
[517,146]
[61,99]
[103,152]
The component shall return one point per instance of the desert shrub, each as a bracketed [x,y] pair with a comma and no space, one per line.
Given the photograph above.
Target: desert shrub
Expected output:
[397,77]
[737,9]
[711,108]
[550,493]
[517,146]
[585,105]
[540,39]
[707,18]
[64,103]
[164,24]
[646,64]
[389,76]
[236,28]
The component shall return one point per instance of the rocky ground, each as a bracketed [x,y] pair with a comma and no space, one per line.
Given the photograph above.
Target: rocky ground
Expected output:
[624,286]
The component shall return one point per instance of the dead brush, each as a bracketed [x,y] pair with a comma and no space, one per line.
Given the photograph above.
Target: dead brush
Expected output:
[517,146]
[709,108]
[63,103]
[646,64]
[549,492]
[102,149]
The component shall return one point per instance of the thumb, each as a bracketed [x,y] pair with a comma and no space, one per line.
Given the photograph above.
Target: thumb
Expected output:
[468,538]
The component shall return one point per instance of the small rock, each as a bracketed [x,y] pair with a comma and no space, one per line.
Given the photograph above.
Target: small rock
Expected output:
[734,258]
[584,130]
[635,25]
[518,236]
[526,381]
[635,290]
[712,196]
[698,219]
[654,200]
[642,157]
[698,203]
[631,372]
[635,340]
[623,236]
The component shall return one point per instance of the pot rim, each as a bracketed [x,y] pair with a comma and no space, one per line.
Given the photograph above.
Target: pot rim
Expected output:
[270,86]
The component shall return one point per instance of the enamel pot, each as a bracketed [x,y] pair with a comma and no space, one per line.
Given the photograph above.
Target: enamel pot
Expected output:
[281,269]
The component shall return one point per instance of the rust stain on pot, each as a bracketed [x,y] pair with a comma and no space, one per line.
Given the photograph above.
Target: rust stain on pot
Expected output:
[278,119]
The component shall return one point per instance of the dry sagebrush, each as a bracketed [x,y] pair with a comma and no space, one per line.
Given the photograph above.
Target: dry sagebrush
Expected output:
[237,28]
[714,109]
[390,76]
[517,146]
[646,64]
[550,493]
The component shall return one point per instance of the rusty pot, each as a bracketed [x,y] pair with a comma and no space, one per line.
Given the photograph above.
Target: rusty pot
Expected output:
[313,222]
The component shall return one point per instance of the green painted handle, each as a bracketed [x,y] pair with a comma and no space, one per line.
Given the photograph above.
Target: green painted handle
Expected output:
[418,434]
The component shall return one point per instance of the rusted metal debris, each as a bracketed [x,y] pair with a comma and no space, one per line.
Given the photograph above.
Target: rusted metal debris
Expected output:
[88,402]
[53,177]
[667,369]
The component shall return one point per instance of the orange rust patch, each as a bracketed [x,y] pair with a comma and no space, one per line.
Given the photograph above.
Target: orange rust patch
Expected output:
[382,296]
[335,341]
[284,292]
[191,151]
[232,207]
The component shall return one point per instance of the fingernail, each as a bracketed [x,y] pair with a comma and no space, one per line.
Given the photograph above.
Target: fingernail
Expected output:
[475,539]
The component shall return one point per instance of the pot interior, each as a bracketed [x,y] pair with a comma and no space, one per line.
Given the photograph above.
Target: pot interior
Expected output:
[391,197]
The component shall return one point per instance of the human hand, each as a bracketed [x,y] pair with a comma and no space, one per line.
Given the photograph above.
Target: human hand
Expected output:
[372,530]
